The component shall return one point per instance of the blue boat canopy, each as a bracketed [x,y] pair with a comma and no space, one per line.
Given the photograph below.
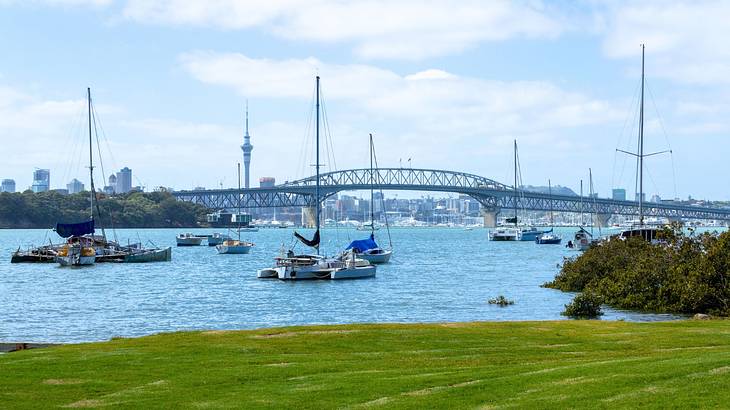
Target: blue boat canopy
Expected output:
[363,245]
[77,229]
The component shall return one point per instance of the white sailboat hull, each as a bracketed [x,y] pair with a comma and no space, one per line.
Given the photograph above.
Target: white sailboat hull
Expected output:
[376,258]
[233,249]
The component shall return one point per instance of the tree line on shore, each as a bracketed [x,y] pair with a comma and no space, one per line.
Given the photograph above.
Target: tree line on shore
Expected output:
[684,273]
[132,210]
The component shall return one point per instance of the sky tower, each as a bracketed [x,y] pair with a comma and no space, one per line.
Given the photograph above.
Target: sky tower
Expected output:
[246,148]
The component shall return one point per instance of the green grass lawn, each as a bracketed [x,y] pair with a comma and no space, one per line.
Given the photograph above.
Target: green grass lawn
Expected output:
[585,364]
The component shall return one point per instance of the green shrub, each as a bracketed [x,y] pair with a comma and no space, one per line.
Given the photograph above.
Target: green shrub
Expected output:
[584,306]
[682,274]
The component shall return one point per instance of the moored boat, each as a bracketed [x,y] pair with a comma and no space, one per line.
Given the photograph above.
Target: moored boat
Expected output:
[301,267]
[188,239]
[504,234]
[149,255]
[548,237]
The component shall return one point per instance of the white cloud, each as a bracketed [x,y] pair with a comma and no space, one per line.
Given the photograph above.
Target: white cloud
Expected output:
[685,41]
[435,98]
[60,3]
[431,115]
[402,29]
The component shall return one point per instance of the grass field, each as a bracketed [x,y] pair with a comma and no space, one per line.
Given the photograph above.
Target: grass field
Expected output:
[583,364]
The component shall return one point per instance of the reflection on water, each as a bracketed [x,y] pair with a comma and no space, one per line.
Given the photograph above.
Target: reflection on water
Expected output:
[435,275]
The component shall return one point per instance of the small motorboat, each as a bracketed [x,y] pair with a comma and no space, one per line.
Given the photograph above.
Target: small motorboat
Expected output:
[188,239]
[548,238]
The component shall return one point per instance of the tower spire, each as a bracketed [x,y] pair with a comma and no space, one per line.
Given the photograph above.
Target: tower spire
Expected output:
[246,148]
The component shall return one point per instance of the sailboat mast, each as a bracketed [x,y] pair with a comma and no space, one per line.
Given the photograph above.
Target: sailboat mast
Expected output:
[91,155]
[590,190]
[550,194]
[317,165]
[238,214]
[581,203]
[372,207]
[515,186]
[641,144]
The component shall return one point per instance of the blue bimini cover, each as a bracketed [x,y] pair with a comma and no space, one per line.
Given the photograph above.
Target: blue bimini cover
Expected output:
[363,245]
[78,229]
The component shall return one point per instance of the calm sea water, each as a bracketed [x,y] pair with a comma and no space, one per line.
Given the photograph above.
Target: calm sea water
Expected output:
[435,275]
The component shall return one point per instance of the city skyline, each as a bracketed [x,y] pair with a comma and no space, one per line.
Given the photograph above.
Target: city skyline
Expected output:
[446,93]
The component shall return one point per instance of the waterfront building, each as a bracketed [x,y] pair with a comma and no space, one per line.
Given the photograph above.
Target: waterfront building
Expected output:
[8,185]
[619,194]
[112,187]
[124,181]
[41,180]
[246,148]
[75,186]
[656,199]
[267,182]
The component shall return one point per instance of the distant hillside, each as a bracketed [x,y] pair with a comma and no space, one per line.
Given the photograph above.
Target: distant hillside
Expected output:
[557,190]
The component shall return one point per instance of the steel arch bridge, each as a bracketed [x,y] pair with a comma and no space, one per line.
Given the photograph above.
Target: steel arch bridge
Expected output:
[491,194]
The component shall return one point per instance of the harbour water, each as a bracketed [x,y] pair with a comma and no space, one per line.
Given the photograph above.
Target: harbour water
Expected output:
[435,275]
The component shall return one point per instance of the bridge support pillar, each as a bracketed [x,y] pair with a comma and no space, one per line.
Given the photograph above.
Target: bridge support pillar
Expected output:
[309,216]
[490,217]
[601,219]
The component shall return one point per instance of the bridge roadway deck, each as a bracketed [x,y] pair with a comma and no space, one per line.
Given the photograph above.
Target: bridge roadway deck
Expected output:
[491,194]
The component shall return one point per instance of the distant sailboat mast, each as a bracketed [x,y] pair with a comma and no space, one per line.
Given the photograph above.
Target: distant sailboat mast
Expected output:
[372,181]
[515,186]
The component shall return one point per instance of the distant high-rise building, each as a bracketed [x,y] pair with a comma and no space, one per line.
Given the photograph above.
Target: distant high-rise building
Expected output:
[267,182]
[8,185]
[124,181]
[643,197]
[41,180]
[247,148]
[75,186]
[656,199]
[619,194]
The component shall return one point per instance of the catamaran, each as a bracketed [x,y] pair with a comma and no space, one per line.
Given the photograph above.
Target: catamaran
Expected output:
[79,249]
[290,266]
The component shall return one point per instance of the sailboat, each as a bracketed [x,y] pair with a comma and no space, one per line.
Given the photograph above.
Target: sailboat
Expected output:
[290,266]
[231,246]
[548,237]
[368,249]
[515,234]
[79,250]
[641,230]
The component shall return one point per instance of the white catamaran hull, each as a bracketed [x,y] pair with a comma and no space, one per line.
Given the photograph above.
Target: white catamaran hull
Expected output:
[75,260]
[322,270]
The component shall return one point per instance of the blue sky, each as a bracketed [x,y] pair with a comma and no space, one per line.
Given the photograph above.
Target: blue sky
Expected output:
[448,84]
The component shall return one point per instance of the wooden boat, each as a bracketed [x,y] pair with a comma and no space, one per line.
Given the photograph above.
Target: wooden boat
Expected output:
[150,255]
